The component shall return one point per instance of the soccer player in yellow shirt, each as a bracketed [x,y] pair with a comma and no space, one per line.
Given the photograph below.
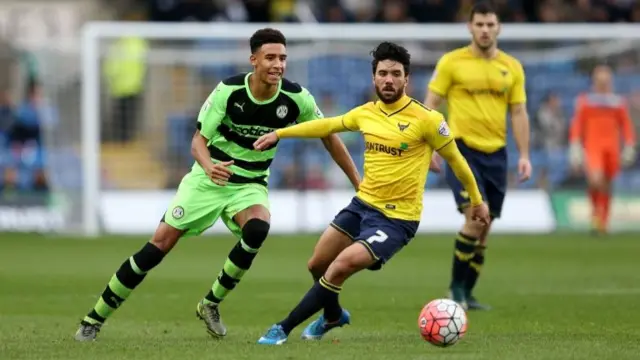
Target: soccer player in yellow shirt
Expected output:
[480,84]
[400,137]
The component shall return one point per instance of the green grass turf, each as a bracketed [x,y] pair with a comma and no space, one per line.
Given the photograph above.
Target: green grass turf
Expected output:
[555,297]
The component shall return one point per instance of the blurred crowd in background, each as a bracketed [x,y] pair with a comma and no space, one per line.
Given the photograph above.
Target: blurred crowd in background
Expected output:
[131,91]
[390,11]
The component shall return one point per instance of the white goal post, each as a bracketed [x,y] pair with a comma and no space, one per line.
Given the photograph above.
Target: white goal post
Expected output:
[327,34]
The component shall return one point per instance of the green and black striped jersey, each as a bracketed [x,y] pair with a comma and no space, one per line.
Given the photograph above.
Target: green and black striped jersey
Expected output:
[232,119]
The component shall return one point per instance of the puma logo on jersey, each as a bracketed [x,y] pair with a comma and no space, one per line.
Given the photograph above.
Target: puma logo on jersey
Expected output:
[239,106]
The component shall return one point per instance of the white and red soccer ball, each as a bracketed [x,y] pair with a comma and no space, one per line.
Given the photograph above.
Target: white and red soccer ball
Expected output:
[442,322]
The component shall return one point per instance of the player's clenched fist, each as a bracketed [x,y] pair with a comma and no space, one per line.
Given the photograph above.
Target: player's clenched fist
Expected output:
[266,141]
[481,213]
[219,173]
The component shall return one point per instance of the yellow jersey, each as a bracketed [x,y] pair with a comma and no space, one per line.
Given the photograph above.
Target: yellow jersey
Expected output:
[479,92]
[399,142]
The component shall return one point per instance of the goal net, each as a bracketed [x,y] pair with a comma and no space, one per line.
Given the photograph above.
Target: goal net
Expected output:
[143,85]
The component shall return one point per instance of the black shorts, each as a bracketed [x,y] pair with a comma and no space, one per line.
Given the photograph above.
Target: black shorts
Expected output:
[381,235]
[490,171]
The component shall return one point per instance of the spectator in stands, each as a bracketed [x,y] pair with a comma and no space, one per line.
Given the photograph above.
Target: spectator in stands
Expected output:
[291,177]
[549,12]
[9,65]
[354,10]
[7,119]
[182,10]
[551,125]
[315,178]
[634,16]
[433,10]
[26,139]
[332,11]
[125,74]
[634,112]
[282,10]
[7,116]
[394,11]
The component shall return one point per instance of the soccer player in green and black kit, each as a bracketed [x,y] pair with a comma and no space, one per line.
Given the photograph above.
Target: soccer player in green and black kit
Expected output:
[228,179]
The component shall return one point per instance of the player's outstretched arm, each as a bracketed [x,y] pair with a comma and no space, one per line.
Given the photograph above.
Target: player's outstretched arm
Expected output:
[461,169]
[311,129]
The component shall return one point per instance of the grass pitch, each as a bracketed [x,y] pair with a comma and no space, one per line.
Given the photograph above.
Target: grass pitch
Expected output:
[555,297]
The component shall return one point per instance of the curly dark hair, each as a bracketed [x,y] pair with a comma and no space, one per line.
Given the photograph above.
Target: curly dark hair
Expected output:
[391,51]
[266,36]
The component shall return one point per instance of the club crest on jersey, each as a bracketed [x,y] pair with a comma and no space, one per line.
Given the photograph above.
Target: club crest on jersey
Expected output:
[443,129]
[178,212]
[403,127]
[282,111]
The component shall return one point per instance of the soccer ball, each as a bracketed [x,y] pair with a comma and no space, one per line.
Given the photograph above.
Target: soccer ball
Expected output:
[442,322]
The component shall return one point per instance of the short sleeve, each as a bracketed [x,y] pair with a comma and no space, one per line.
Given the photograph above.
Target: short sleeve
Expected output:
[350,119]
[213,111]
[442,77]
[518,93]
[309,110]
[437,131]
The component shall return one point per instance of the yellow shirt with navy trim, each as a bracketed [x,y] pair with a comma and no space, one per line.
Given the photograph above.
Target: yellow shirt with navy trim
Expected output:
[399,142]
[478,93]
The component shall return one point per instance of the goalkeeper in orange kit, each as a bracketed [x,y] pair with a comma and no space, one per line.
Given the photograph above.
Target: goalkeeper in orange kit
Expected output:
[601,121]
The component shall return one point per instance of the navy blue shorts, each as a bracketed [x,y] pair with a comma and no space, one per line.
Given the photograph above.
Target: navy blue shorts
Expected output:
[382,236]
[490,171]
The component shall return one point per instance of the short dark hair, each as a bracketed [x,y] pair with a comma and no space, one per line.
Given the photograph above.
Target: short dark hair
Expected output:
[266,36]
[391,51]
[483,8]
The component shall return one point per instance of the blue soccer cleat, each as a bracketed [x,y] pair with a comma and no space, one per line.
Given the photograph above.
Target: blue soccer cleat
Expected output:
[274,336]
[317,329]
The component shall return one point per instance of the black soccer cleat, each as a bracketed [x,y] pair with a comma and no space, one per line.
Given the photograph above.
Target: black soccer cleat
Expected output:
[473,304]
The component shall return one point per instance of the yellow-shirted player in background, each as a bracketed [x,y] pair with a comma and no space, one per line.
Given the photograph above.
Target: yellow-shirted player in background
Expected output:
[480,84]
[400,137]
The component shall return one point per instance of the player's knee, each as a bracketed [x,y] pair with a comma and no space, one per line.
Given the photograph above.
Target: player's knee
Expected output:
[254,232]
[596,180]
[349,262]
[316,267]
[340,270]
[166,237]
